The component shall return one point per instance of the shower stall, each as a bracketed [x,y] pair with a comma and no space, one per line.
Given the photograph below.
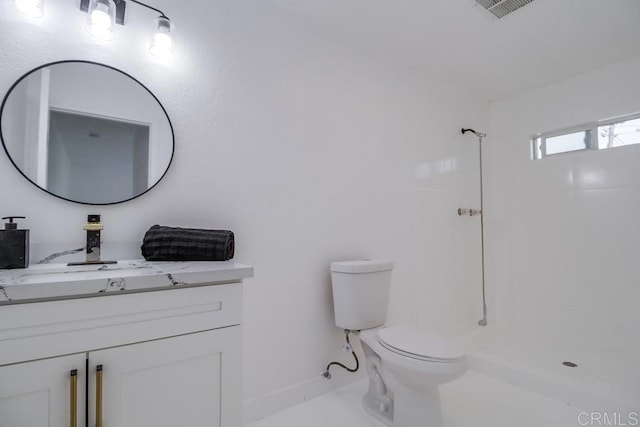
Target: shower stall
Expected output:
[559,278]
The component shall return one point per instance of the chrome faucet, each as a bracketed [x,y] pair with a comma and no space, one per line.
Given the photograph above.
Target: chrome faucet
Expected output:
[93,227]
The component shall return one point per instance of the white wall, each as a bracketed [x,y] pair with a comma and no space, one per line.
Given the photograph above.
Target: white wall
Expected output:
[311,151]
[563,233]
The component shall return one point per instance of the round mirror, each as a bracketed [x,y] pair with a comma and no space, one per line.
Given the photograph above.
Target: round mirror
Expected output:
[86,132]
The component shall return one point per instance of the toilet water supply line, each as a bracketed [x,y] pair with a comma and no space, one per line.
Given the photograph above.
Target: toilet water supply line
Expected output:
[347,347]
[472,212]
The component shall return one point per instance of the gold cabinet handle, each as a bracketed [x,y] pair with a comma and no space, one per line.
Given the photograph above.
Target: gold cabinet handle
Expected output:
[73,396]
[99,396]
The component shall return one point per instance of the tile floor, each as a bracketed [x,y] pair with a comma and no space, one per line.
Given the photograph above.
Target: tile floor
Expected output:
[475,400]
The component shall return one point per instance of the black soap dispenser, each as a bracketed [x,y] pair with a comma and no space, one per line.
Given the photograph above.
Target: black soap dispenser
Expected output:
[14,245]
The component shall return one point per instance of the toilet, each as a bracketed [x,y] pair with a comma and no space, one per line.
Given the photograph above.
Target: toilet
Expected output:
[405,365]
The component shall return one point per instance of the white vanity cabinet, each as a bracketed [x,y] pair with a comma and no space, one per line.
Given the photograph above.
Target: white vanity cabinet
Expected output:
[167,358]
[37,394]
[189,380]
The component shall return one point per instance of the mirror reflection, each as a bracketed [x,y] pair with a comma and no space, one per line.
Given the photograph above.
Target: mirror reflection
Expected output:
[86,132]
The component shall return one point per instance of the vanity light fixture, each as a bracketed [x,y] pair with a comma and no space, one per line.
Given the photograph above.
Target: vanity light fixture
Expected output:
[34,8]
[103,14]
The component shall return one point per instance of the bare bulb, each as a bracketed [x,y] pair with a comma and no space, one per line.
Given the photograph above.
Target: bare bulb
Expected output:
[100,22]
[162,43]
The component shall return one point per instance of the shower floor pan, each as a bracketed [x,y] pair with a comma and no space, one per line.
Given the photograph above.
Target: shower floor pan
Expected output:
[600,381]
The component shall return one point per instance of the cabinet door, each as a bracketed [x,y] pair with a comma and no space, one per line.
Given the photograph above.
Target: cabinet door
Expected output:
[38,394]
[188,380]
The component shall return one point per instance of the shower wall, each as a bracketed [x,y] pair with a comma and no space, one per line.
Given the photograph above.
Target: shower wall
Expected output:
[562,232]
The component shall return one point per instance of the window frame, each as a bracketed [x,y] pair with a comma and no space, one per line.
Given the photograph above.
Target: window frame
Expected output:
[538,142]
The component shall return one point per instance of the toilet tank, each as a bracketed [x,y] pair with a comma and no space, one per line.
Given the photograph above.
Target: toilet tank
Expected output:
[361,293]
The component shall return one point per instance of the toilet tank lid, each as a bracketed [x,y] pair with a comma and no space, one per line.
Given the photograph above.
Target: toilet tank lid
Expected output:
[411,340]
[362,266]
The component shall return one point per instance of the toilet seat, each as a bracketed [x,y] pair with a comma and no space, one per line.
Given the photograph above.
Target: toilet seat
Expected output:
[419,345]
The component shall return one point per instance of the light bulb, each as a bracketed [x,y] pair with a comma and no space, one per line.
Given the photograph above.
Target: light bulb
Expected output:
[100,22]
[32,8]
[162,44]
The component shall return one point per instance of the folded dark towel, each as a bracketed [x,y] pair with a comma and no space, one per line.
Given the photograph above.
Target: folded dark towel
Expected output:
[187,244]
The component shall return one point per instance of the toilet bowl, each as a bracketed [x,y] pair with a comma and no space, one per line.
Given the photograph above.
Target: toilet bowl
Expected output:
[405,365]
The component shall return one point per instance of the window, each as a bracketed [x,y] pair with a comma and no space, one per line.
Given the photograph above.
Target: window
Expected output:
[619,134]
[592,136]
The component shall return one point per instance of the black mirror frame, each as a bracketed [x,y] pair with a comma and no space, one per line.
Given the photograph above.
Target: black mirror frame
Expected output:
[24,76]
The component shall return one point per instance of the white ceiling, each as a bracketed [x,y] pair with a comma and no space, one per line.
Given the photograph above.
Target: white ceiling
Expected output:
[459,42]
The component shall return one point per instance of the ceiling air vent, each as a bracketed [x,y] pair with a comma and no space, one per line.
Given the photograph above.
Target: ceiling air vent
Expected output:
[500,8]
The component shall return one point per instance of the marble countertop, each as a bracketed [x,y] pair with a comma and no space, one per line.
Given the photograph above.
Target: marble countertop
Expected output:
[46,282]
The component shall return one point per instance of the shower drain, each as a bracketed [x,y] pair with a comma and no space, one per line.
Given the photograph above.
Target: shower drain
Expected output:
[570,364]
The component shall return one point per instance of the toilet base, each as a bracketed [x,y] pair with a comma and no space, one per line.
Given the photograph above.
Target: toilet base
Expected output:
[396,404]
[378,402]
[408,408]
[372,408]
[416,407]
